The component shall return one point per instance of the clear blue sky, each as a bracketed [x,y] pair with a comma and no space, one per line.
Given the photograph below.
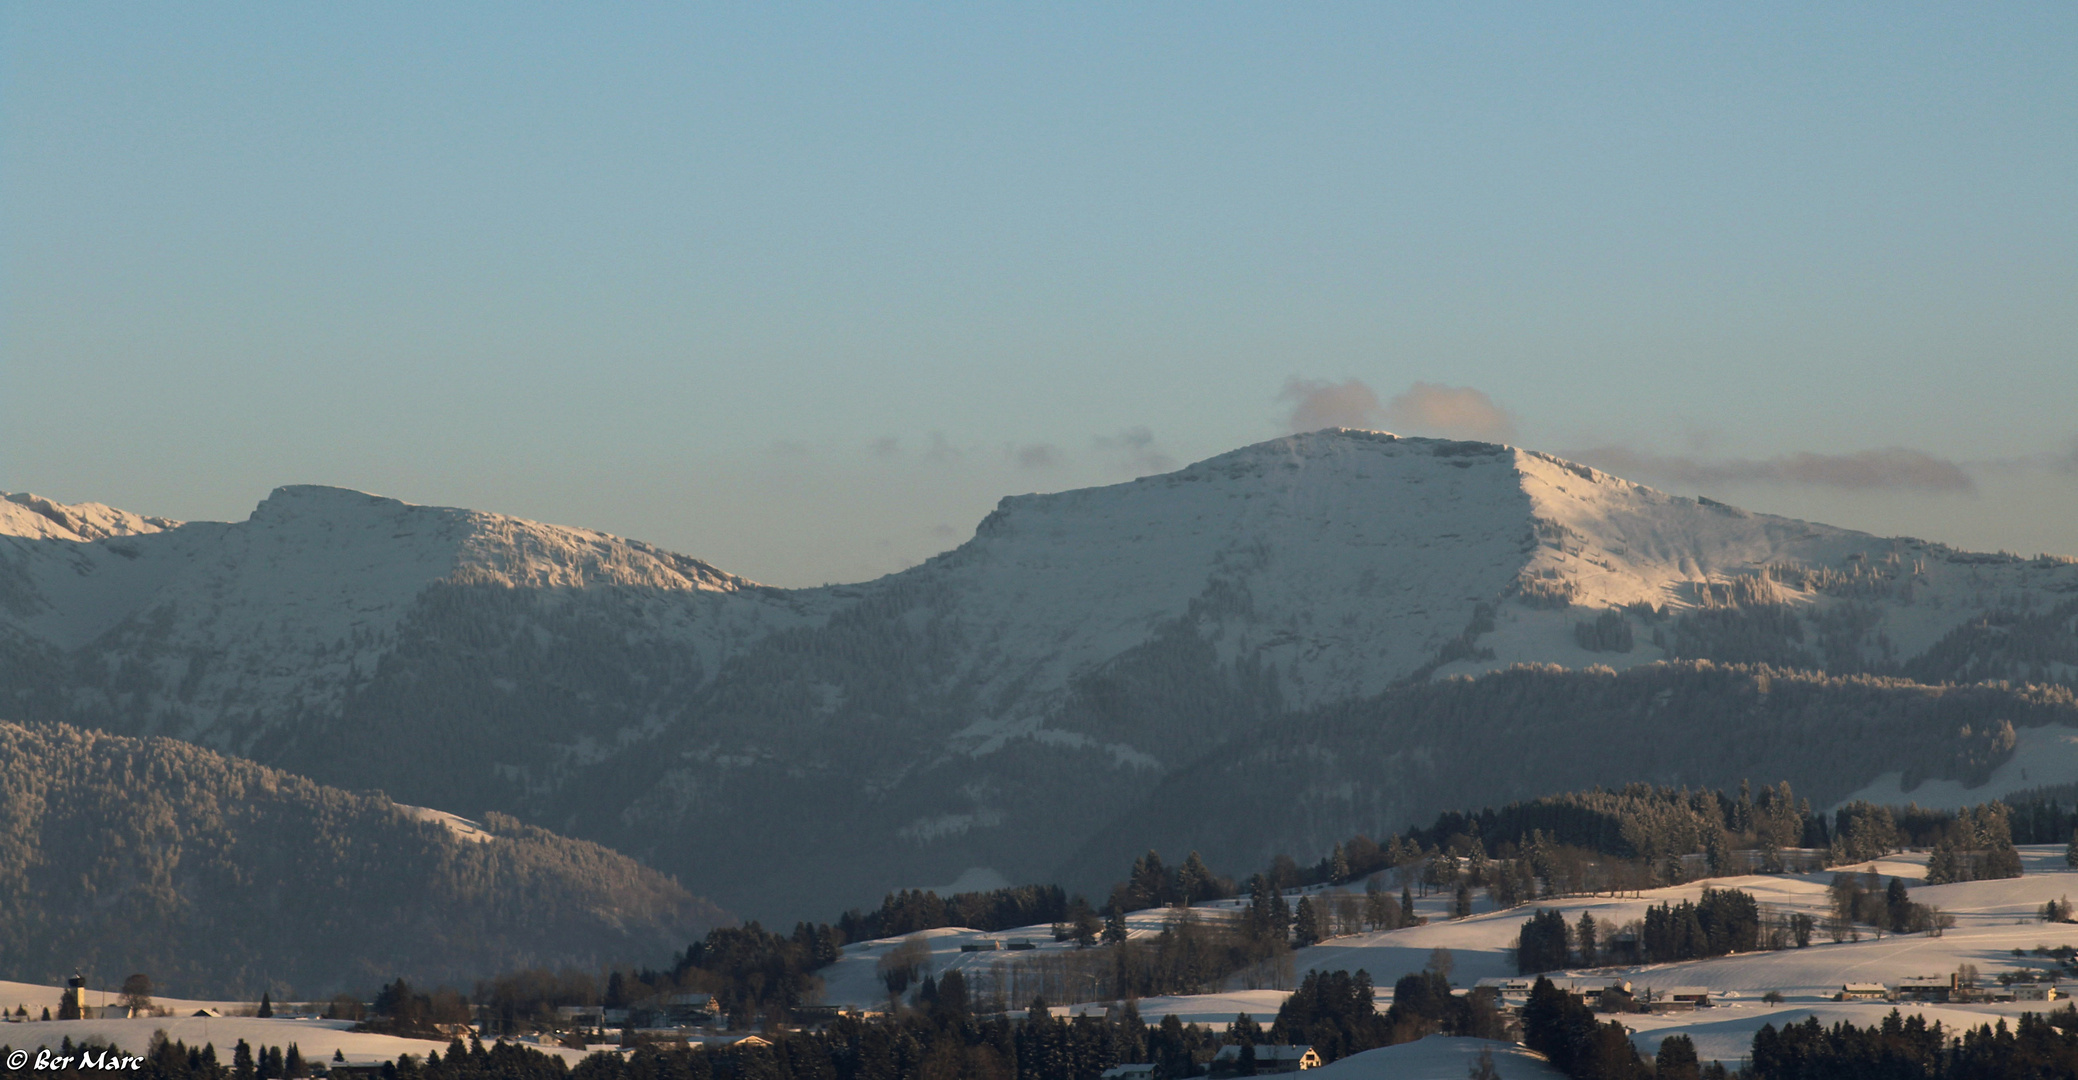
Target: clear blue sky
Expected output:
[802,290]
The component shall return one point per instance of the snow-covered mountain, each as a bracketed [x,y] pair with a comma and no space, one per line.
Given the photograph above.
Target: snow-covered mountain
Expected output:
[984,711]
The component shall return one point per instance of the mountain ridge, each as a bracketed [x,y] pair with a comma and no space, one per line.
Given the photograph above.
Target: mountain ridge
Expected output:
[219,877]
[1011,695]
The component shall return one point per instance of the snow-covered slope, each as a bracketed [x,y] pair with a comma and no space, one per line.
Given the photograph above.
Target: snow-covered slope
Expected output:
[318,1040]
[235,625]
[1441,1058]
[986,711]
[1993,919]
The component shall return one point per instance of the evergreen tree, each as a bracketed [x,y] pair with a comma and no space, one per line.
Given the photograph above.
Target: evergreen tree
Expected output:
[1677,1060]
[1898,905]
[1193,880]
[1305,923]
[1083,924]
[1585,936]
[1542,946]
[1943,866]
[1337,1013]
[1407,917]
[1257,917]
[1149,884]
[2071,851]
[1610,1055]
[1115,927]
[1380,913]
[1461,903]
[266,1011]
[1555,1024]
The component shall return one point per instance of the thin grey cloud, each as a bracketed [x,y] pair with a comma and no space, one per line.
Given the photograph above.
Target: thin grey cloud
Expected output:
[1135,451]
[886,448]
[1458,412]
[1036,456]
[1893,468]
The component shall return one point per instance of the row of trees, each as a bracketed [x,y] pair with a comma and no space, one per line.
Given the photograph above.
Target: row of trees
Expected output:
[1723,921]
[1707,724]
[1334,1012]
[911,910]
[1909,1047]
[1565,1030]
[1857,900]
[760,975]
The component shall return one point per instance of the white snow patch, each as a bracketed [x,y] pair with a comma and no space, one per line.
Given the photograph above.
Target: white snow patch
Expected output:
[2042,756]
[1216,1010]
[463,828]
[972,879]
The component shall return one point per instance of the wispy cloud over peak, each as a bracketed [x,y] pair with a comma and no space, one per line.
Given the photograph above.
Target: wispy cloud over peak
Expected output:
[1317,403]
[1135,451]
[1893,468]
[1459,412]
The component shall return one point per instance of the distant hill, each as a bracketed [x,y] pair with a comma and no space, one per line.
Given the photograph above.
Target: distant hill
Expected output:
[1375,765]
[795,752]
[222,878]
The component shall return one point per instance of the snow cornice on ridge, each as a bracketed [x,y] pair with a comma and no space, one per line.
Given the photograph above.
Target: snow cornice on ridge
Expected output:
[23,513]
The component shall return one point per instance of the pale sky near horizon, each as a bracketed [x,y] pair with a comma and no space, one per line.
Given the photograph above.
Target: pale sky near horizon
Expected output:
[802,290]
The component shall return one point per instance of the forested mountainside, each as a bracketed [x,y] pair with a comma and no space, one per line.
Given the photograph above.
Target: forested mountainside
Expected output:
[994,707]
[1373,766]
[219,877]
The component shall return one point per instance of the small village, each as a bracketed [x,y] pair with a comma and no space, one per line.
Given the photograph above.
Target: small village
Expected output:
[2000,958]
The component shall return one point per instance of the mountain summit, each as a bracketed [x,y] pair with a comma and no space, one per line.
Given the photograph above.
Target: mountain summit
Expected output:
[988,709]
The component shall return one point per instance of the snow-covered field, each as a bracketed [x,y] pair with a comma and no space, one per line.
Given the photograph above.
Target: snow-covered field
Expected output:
[1439,1058]
[855,981]
[1212,1010]
[1992,919]
[36,998]
[317,1039]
